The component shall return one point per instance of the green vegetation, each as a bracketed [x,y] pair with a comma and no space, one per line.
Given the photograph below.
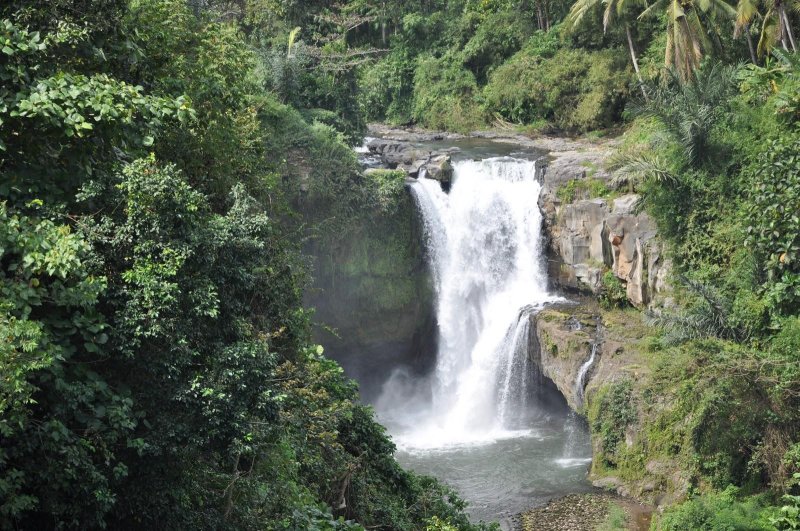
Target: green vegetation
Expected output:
[616,520]
[587,188]
[714,159]
[612,292]
[160,164]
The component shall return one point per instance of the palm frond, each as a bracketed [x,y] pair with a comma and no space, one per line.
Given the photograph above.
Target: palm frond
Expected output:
[579,10]
[689,109]
[633,169]
[292,38]
[707,316]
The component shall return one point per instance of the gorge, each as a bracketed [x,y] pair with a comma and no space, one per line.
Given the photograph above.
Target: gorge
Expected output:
[480,407]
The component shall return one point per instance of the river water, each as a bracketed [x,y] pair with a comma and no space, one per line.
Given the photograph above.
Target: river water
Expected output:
[485,421]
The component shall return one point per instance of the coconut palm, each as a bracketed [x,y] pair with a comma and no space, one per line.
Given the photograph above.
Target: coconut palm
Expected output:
[746,11]
[618,8]
[687,37]
[775,25]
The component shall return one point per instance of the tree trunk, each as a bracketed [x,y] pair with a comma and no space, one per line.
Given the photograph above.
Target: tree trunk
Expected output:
[546,16]
[635,61]
[788,28]
[539,17]
[229,490]
[750,44]
[383,25]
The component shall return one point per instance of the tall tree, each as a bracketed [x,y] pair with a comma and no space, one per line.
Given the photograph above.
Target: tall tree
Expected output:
[688,31]
[622,10]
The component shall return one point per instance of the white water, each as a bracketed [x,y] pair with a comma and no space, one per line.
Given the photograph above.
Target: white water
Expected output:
[580,380]
[484,246]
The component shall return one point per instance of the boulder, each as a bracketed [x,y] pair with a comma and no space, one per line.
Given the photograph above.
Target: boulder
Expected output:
[414,160]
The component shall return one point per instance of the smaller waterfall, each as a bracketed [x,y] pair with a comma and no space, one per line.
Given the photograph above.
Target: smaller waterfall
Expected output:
[574,453]
[516,372]
[580,380]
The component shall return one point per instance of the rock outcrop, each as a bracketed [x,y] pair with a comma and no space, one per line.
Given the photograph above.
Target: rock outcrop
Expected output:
[589,236]
[564,335]
[563,341]
[413,159]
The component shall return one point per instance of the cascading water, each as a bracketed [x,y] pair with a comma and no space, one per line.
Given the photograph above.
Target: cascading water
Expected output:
[575,453]
[580,380]
[485,420]
[484,247]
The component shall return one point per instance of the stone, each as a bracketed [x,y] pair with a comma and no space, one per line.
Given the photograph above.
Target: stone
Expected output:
[608,482]
[413,160]
[440,168]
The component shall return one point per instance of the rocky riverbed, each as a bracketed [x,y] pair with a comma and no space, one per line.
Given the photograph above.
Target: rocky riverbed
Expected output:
[584,512]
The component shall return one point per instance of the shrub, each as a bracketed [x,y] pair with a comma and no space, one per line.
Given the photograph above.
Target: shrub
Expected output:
[387,89]
[575,90]
[494,41]
[582,189]
[610,414]
[445,95]
[774,224]
[715,512]
[612,292]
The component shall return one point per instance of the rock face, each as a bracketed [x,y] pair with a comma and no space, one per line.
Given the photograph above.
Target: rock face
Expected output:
[564,335]
[414,160]
[373,298]
[563,341]
[589,235]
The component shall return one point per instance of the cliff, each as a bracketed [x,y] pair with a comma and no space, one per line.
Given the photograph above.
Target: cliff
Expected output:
[589,235]
[373,297]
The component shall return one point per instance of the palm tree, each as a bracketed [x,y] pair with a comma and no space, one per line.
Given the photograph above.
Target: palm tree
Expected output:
[776,26]
[746,10]
[612,8]
[687,37]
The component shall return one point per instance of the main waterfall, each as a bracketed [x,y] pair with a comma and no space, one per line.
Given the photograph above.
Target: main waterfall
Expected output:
[484,246]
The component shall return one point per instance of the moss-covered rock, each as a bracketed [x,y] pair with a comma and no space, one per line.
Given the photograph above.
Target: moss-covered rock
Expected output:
[372,290]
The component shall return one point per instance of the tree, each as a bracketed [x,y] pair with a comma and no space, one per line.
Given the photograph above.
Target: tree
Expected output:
[619,8]
[687,33]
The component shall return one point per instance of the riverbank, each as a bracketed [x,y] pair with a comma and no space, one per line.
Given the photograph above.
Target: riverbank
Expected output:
[586,512]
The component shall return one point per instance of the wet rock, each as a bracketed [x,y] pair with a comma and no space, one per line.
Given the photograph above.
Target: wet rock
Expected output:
[414,160]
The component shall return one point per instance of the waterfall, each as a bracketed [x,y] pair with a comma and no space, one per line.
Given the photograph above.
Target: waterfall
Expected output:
[576,454]
[580,380]
[483,240]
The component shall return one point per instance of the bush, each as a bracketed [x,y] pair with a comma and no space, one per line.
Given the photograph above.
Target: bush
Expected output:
[445,95]
[575,90]
[582,189]
[612,292]
[716,512]
[774,224]
[387,88]
[610,414]
[495,40]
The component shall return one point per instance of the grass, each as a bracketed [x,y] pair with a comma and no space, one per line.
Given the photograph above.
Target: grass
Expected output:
[615,520]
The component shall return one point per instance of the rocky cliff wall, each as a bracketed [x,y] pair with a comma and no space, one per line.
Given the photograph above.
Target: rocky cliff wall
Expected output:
[617,397]
[373,296]
[590,235]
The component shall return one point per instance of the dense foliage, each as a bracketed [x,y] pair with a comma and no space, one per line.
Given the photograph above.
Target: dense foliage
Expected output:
[161,162]
[156,368]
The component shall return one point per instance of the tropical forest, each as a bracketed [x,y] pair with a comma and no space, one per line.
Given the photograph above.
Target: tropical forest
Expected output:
[413,265]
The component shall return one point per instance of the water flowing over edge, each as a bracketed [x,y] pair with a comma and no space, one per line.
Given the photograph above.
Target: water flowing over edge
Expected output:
[484,247]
